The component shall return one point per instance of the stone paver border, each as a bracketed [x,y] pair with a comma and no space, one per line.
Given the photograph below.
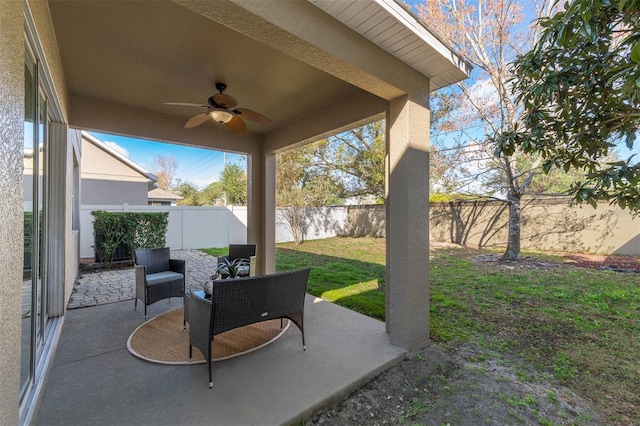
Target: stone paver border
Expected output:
[110,286]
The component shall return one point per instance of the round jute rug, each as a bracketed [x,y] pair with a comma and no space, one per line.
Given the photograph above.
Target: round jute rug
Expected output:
[163,340]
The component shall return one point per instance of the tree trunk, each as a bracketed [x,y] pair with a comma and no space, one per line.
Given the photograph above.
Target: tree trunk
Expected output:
[513,243]
[295,225]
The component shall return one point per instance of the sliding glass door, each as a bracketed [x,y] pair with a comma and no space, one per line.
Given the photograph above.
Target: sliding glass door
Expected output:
[34,284]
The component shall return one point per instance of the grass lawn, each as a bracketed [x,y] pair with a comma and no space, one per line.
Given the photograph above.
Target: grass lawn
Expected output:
[580,326]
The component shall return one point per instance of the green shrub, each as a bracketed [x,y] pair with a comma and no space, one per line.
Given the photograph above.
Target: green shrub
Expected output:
[132,230]
[28,239]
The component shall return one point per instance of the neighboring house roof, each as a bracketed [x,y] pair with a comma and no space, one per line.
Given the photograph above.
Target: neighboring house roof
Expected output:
[123,159]
[163,194]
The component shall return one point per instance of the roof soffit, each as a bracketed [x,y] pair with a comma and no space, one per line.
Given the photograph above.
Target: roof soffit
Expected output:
[310,35]
[286,60]
[390,25]
[163,52]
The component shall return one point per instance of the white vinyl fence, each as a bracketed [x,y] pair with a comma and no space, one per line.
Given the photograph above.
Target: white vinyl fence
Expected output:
[189,227]
[317,223]
[195,227]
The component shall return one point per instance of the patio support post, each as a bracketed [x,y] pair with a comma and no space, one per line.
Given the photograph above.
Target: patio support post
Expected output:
[261,230]
[11,193]
[407,223]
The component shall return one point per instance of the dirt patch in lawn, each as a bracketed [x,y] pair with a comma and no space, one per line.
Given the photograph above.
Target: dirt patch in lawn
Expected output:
[440,385]
[446,384]
[629,264]
[623,264]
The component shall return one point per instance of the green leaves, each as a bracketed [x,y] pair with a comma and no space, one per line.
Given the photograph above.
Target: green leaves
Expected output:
[234,184]
[133,230]
[635,53]
[580,90]
[586,30]
[232,268]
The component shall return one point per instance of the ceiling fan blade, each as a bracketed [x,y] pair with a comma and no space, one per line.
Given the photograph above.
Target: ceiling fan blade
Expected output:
[253,116]
[225,100]
[196,120]
[187,104]
[237,125]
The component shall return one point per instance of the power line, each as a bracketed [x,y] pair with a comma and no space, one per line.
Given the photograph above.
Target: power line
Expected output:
[203,158]
[210,164]
[460,147]
[207,164]
[446,132]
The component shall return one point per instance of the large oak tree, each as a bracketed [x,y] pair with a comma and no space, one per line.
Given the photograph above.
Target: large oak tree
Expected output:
[490,34]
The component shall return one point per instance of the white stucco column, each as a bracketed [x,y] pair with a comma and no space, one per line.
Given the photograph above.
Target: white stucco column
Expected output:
[261,171]
[11,209]
[407,224]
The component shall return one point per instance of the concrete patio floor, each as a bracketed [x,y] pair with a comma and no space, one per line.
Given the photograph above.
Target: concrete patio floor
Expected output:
[95,380]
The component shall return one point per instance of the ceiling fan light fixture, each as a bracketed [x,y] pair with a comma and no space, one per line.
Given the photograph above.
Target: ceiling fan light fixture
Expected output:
[221,115]
[221,108]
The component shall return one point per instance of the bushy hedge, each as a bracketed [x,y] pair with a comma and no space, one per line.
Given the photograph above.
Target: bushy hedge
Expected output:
[132,230]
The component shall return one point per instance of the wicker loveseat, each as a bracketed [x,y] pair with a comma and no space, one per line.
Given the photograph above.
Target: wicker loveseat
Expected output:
[158,276]
[242,301]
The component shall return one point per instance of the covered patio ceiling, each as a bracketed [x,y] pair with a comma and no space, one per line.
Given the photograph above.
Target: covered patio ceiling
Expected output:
[313,68]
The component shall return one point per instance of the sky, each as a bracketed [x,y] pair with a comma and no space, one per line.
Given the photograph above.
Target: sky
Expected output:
[196,165]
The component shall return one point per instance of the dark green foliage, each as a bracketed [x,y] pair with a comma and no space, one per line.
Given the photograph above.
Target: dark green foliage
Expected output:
[28,239]
[353,162]
[133,230]
[231,268]
[580,89]
[234,184]
[189,193]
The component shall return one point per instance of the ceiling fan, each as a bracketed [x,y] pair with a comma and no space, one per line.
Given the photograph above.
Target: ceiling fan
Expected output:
[222,109]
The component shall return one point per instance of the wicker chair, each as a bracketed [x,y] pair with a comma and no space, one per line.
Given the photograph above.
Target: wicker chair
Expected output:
[242,301]
[158,276]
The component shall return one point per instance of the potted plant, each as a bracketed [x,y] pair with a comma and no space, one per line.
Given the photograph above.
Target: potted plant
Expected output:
[232,268]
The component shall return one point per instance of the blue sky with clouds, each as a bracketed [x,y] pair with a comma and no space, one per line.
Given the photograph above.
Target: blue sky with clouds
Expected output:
[196,165]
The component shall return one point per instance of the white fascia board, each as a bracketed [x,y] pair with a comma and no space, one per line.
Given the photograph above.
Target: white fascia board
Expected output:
[412,22]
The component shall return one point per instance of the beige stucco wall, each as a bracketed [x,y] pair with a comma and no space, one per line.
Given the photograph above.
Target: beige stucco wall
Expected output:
[97,164]
[367,220]
[11,225]
[107,181]
[72,246]
[546,225]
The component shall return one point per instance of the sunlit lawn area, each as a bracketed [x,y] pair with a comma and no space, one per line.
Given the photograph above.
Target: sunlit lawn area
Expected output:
[581,326]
